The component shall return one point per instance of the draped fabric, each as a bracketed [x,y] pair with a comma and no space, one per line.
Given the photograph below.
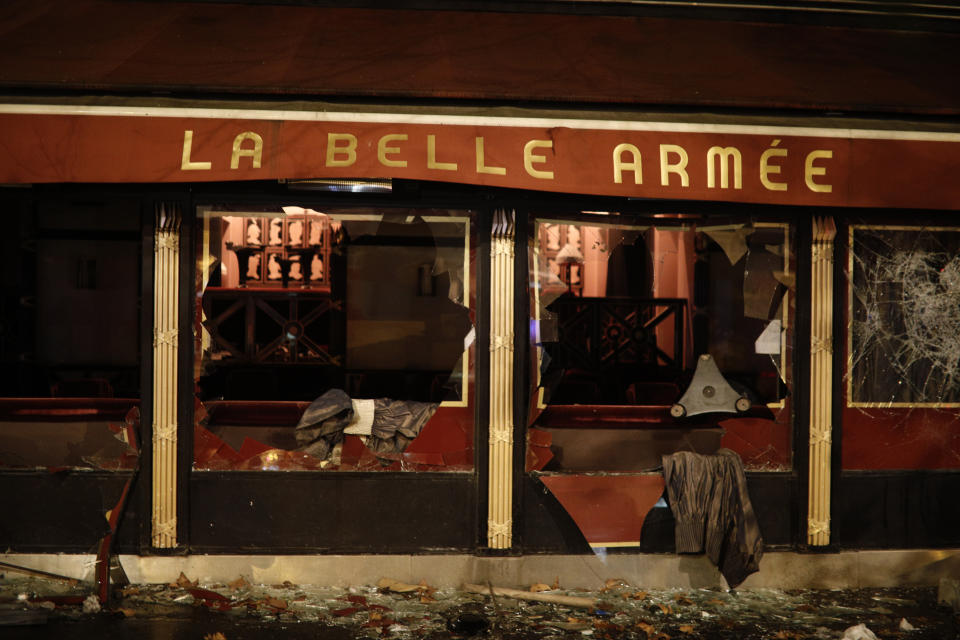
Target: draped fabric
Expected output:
[712,510]
[395,424]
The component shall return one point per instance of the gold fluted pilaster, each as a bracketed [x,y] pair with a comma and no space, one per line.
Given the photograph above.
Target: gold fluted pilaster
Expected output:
[166,327]
[500,483]
[821,380]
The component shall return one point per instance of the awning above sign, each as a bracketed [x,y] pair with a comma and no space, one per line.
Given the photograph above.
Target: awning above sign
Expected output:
[503,52]
[738,163]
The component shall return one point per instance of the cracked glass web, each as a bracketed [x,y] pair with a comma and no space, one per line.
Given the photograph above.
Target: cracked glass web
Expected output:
[904,324]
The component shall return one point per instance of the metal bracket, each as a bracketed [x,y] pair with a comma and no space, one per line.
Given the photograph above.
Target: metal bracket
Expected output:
[709,392]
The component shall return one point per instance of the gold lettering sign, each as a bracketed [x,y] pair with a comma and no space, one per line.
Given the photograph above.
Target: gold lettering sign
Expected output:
[766,169]
[719,166]
[383,149]
[432,156]
[529,157]
[724,155]
[809,171]
[619,166]
[679,167]
[238,151]
[481,162]
[340,145]
[186,164]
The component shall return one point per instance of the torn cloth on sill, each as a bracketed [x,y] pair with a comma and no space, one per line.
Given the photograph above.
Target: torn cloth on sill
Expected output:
[712,511]
[395,424]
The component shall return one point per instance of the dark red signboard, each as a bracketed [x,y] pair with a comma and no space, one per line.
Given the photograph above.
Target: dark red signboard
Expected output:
[774,165]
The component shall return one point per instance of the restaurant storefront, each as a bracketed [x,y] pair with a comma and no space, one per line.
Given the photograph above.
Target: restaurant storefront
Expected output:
[279,309]
[472,331]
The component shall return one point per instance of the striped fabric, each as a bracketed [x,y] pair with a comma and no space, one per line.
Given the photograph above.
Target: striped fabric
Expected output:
[712,511]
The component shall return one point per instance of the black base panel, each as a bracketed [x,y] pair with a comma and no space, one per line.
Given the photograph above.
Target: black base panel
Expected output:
[546,527]
[896,510]
[63,512]
[268,512]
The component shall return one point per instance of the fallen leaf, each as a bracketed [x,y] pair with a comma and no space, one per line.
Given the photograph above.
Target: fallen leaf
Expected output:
[717,603]
[349,611]
[276,603]
[215,636]
[376,615]
[637,595]
[570,626]
[128,613]
[607,627]
[239,583]
[130,591]
[396,586]
[539,586]
[206,596]
[682,599]
[383,623]
[646,626]
[427,599]
[664,608]
[184,582]
[686,628]
[614,583]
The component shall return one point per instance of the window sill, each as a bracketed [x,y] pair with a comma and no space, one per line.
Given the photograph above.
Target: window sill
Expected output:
[65,409]
[634,417]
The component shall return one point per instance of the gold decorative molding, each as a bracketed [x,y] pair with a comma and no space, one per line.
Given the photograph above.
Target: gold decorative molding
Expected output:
[500,483]
[821,380]
[166,327]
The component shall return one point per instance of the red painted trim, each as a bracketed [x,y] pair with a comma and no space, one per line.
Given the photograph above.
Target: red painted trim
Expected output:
[65,409]
[607,509]
[632,417]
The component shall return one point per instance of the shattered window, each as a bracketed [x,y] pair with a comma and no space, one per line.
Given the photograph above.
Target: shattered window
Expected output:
[336,339]
[625,314]
[69,333]
[904,323]
[901,386]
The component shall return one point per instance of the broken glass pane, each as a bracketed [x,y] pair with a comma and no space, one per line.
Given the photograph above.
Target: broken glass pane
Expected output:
[320,333]
[905,292]
[900,383]
[622,309]
[69,332]
[43,441]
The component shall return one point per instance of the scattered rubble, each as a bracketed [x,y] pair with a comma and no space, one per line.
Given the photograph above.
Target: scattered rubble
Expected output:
[859,632]
[401,610]
[91,604]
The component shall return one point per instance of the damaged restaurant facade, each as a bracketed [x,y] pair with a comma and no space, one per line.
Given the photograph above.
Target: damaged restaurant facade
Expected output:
[270,328]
